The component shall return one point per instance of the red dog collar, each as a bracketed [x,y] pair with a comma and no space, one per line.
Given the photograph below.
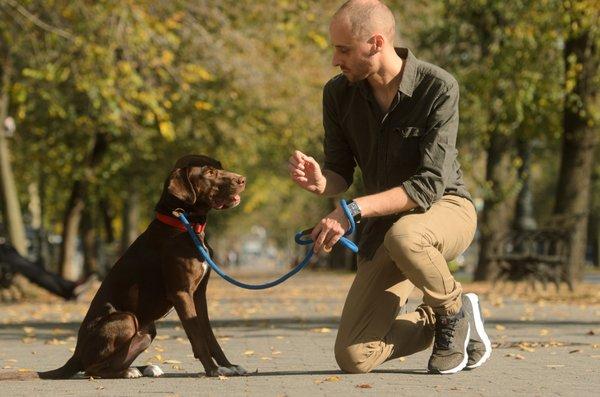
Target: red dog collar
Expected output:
[176,223]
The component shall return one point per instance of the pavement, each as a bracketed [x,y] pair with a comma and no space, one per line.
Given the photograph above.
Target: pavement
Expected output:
[284,337]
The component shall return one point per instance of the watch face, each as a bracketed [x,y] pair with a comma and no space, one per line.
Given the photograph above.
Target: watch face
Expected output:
[354,209]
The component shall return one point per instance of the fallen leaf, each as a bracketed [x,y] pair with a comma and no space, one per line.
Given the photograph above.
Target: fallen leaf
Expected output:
[364,386]
[500,327]
[575,351]
[171,362]
[555,365]
[275,352]
[55,341]
[591,332]
[223,377]
[28,330]
[24,370]
[248,352]
[323,330]
[266,358]
[162,337]
[544,332]
[519,357]
[28,340]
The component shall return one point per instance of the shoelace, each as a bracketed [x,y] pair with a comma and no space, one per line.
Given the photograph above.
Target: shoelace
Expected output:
[444,331]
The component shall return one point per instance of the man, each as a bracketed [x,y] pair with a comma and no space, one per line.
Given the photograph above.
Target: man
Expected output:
[396,117]
[12,262]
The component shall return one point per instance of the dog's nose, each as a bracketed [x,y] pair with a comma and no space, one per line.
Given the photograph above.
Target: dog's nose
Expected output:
[241,180]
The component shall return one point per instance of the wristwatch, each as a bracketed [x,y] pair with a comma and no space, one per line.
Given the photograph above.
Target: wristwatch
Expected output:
[354,211]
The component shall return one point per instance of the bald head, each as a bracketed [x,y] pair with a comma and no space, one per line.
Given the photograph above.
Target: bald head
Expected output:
[367,18]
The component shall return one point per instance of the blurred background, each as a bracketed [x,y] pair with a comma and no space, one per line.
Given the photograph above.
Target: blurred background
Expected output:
[99,98]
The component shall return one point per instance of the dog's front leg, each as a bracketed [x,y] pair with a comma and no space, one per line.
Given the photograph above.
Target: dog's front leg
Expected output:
[184,305]
[215,349]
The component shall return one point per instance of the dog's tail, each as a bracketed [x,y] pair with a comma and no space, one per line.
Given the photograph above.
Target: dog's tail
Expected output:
[70,368]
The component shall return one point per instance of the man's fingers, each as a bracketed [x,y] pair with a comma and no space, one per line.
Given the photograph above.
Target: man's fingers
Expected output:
[296,164]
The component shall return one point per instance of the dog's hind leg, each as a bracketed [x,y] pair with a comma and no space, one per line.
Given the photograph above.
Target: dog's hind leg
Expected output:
[117,341]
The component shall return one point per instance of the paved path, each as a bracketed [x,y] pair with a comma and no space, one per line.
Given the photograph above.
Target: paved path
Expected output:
[285,337]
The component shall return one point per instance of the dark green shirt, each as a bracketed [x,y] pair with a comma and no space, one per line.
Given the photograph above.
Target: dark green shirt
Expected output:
[413,145]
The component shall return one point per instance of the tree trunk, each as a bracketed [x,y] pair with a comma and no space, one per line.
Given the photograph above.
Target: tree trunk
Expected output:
[499,204]
[74,210]
[131,218]
[88,238]
[107,215]
[579,140]
[12,210]
[524,219]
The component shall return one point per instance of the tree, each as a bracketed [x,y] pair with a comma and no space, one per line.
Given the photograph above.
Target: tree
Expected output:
[580,121]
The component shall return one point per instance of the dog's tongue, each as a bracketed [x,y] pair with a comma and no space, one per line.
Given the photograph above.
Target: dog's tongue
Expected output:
[219,205]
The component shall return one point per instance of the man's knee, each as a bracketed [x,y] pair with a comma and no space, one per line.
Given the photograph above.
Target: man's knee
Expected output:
[404,240]
[354,359]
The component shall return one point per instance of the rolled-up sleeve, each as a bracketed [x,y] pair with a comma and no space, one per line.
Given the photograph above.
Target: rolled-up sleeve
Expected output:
[437,147]
[338,155]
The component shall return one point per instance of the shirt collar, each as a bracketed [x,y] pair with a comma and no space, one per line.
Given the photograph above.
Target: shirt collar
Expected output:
[409,75]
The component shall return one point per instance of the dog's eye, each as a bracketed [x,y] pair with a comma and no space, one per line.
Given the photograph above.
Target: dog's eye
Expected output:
[211,172]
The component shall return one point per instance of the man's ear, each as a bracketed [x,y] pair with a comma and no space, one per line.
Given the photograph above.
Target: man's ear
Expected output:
[181,187]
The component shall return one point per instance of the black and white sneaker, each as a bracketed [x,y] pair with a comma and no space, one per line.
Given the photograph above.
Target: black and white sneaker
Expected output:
[449,353]
[479,348]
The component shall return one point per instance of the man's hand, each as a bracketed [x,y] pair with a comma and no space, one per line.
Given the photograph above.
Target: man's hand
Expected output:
[329,230]
[306,172]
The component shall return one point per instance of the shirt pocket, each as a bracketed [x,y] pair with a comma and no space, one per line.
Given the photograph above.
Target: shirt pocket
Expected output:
[403,154]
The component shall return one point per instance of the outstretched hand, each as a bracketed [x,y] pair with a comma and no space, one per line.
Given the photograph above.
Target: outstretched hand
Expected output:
[306,172]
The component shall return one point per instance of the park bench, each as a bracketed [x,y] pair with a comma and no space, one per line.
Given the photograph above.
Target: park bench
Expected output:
[534,255]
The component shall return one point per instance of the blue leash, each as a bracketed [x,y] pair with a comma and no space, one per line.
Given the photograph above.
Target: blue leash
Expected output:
[299,240]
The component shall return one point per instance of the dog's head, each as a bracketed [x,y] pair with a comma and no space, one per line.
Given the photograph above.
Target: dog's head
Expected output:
[198,184]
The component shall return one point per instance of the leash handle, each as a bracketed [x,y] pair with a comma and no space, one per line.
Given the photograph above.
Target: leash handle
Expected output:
[301,240]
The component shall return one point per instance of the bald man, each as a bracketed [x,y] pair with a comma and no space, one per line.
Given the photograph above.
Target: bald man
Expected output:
[396,117]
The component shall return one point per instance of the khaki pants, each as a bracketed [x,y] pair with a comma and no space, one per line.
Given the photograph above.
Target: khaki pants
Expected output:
[414,253]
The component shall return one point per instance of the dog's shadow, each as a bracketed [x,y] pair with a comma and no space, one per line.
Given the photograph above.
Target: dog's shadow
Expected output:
[303,373]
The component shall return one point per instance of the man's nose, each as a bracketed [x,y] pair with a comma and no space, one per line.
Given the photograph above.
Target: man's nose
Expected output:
[334,61]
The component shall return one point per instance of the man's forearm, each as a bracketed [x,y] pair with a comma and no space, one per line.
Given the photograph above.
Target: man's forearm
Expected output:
[391,201]
[335,184]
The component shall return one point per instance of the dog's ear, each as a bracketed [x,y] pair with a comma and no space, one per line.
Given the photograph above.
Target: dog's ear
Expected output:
[181,187]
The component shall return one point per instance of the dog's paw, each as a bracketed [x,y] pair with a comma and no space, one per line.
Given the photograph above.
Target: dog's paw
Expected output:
[238,369]
[153,371]
[221,371]
[131,373]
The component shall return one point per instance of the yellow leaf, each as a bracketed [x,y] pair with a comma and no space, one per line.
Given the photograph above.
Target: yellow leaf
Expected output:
[249,352]
[167,130]
[500,327]
[171,362]
[202,105]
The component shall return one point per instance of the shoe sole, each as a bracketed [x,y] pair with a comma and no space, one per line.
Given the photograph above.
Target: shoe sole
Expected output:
[480,329]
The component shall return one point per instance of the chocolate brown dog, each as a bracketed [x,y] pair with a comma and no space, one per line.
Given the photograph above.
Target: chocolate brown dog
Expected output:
[160,270]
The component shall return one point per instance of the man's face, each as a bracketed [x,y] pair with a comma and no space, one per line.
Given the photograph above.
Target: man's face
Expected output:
[350,53]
